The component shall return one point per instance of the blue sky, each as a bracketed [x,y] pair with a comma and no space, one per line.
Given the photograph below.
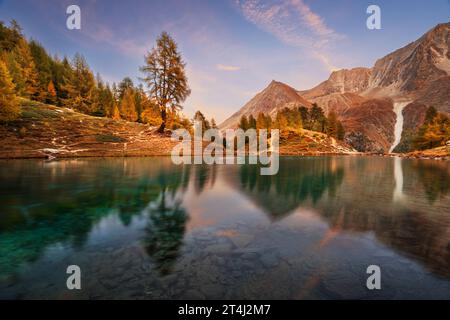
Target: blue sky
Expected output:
[233,48]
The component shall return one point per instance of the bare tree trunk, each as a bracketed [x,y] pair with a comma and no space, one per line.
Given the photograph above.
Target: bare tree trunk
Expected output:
[162,127]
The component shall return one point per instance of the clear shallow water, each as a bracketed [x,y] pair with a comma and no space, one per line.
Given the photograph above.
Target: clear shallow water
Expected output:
[144,228]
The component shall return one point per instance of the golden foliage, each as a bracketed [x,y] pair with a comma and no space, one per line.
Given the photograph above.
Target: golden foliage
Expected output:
[9,105]
[435,132]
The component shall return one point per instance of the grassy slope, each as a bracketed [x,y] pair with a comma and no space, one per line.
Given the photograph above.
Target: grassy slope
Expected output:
[440,152]
[311,143]
[45,131]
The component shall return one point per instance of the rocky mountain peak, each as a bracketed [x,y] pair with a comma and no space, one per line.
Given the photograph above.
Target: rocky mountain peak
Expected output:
[364,98]
[414,67]
[342,81]
[273,98]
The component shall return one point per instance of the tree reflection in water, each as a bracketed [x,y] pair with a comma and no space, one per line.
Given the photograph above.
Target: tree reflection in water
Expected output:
[295,183]
[164,232]
[167,219]
[138,204]
[61,202]
[435,177]
[403,202]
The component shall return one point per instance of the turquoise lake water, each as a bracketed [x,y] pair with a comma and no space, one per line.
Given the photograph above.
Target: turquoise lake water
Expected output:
[143,228]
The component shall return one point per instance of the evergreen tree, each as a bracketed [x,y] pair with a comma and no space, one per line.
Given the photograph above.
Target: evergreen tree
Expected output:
[43,64]
[80,86]
[108,101]
[332,125]
[317,119]
[123,86]
[62,75]
[27,85]
[201,118]
[213,123]
[139,97]
[14,71]
[261,121]
[281,122]
[251,122]
[9,105]
[243,123]
[98,106]
[304,113]
[10,37]
[37,75]
[57,78]
[127,106]
[294,118]
[165,76]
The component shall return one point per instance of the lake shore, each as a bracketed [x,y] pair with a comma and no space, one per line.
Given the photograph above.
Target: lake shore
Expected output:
[49,132]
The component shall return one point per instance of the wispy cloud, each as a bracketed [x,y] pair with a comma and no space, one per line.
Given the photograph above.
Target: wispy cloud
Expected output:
[293,23]
[313,21]
[322,57]
[127,46]
[223,67]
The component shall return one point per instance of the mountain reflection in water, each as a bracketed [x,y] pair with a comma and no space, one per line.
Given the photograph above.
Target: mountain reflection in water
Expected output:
[145,228]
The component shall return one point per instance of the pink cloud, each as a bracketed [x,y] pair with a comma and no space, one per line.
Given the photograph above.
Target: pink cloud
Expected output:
[223,67]
[293,23]
[130,47]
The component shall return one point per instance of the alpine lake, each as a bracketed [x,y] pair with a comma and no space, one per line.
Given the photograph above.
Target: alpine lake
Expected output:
[144,228]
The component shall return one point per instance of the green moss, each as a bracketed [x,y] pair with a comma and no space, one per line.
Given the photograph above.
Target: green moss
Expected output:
[109,138]
[38,113]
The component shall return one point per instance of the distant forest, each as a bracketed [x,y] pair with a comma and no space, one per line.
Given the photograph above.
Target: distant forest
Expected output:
[296,119]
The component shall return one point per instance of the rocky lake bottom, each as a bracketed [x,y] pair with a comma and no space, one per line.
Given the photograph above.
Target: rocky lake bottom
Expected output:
[143,228]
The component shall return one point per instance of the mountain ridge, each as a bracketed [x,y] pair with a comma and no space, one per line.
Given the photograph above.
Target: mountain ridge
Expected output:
[417,74]
[272,99]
